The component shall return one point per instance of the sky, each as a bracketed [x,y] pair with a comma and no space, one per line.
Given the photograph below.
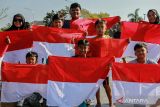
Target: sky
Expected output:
[37,9]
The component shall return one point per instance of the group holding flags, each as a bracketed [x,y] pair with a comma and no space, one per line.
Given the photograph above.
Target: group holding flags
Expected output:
[51,62]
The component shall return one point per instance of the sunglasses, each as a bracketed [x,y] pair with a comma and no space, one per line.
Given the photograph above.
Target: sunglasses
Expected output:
[18,20]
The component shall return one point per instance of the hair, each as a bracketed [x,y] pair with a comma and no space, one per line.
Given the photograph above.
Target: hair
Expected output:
[13,27]
[75,5]
[140,45]
[83,42]
[57,17]
[32,54]
[156,13]
[100,21]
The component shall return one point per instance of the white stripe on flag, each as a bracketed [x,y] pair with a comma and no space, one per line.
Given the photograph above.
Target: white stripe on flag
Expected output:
[69,94]
[44,49]
[14,91]
[153,51]
[135,93]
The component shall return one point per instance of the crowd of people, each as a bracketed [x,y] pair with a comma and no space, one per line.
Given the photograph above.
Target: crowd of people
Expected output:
[58,21]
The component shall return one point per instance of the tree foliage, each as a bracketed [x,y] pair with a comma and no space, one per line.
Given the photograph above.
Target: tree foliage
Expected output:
[134,17]
[84,13]
[3,13]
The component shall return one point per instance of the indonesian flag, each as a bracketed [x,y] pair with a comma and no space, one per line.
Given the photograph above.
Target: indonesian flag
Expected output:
[72,80]
[141,32]
[63,82]
[135,83]
[152,53]
[46,41]
[20,81]
[108,47]
[88,25]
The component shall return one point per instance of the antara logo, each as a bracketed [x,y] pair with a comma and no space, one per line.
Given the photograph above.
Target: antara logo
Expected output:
[121,100]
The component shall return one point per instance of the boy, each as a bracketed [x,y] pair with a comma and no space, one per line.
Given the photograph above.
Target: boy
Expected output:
[83,49]
[75,13]
[57,21]
[140,50]
[31,58]
[101,27]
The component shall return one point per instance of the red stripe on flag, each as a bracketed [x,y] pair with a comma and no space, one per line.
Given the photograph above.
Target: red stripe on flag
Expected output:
[24,73]
[56,35]
[108,47]
[143,73]
[19,39]
[81,70]
[89,24]
[141,32]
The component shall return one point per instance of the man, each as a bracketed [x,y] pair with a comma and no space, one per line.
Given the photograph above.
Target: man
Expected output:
[75,13]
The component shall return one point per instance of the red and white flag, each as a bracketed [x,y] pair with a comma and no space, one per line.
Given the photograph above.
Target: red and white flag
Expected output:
[141,32]
[72,80]
[63,82]
[135,83]
[20,80]
[46,41]
[88,25]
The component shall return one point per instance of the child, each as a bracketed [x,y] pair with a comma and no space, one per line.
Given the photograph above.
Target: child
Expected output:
[101,27]
[140,50]
[83,48]
[57,21]
[31,58]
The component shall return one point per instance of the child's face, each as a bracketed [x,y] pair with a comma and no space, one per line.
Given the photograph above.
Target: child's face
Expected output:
[100,29]
[75,13]
[31,60]
[141,53]
[151,17]
[57,23]
[83,50]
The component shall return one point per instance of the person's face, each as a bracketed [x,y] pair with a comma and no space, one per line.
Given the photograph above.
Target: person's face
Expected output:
[57,23]
[141,53]
[31,60]
[18,22]
[100,29]
[75,13]
[83,50]
[151,17]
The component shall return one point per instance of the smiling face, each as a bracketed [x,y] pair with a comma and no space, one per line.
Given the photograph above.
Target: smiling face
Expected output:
[57,23]
[18,21]
[100,29]
[31,60]
[141,53]
[152,17]
[75,13]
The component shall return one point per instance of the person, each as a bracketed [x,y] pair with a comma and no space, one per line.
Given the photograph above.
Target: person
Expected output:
[75,13]
[57,21]
[31,58]
[18,23]
[101,27]
[140,50]
[83,50]
[35,99]
[153,16]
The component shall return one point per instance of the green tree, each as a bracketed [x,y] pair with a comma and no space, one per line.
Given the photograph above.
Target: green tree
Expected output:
[134,17]
[84,13]
[48,18]
[3,13]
